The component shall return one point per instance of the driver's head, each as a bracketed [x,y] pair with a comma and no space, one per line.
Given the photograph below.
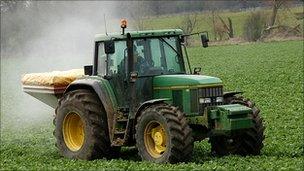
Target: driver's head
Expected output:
[135,53]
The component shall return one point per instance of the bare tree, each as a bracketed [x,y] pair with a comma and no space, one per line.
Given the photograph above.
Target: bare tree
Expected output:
[221,28]
[276,4]
[215,31]
[212,6]
[188,25]
[231,32]
[227,28]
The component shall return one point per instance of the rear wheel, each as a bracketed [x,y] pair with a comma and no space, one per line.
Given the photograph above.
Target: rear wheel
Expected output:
[81,126]
[163,135]
[244,142]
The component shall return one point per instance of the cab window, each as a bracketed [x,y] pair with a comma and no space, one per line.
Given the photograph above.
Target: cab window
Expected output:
[116,61]
[101,58]
[155,56]
[112,63]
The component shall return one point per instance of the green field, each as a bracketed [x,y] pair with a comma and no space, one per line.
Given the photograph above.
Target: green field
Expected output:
[204,22]
[270,73]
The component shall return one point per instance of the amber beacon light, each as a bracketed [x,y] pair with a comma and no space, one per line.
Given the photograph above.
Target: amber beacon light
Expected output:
[123,25]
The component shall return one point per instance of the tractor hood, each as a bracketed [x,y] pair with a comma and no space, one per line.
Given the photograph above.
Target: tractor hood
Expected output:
[184,81]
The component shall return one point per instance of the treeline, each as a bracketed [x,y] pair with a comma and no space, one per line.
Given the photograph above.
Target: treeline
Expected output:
[152,8]
[22,21]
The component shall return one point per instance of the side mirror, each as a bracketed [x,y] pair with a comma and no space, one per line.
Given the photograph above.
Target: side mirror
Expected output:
[88,70]
[109,47]
[205,40]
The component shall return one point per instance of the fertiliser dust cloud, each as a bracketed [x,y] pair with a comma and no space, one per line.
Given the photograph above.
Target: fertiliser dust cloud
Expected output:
[43,37]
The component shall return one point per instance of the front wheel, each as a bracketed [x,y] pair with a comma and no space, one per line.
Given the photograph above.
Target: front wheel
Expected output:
[244,142]
[163,135]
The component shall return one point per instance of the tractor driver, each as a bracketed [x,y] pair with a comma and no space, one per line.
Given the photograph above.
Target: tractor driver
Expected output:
[141,65]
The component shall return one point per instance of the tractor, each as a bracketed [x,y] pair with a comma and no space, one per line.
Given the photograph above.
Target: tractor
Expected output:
[141,91]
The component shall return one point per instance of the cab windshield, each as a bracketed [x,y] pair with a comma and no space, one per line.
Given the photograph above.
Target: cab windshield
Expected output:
[156,56]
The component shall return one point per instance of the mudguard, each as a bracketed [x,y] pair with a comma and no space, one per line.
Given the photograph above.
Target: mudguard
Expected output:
[98,86]
[148,103]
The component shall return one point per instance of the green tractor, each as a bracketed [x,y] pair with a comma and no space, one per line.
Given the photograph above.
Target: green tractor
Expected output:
[141,91]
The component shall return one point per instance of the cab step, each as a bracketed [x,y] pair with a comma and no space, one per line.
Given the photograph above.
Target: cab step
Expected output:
[120,129]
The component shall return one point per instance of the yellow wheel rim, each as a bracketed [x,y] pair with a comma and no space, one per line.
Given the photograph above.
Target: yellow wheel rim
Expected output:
[73,131]
[155,139]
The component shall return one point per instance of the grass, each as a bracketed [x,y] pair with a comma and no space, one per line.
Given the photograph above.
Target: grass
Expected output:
[270,73]
[204,22]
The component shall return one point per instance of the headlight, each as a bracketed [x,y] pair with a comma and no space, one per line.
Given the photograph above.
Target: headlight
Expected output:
[205,100]
[219,99]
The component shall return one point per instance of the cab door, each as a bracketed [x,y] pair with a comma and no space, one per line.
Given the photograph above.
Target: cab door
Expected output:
[112,67]
[142,64]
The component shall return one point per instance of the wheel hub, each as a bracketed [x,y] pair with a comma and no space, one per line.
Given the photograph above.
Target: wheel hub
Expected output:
[73,131]
[158,138]
[155,139]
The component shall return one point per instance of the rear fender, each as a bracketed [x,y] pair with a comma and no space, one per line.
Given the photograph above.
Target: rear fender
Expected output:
[149,103]
[98,87]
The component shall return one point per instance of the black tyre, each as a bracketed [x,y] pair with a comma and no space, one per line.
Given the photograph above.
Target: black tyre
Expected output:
[163,135]
[245,142]
[81,126]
